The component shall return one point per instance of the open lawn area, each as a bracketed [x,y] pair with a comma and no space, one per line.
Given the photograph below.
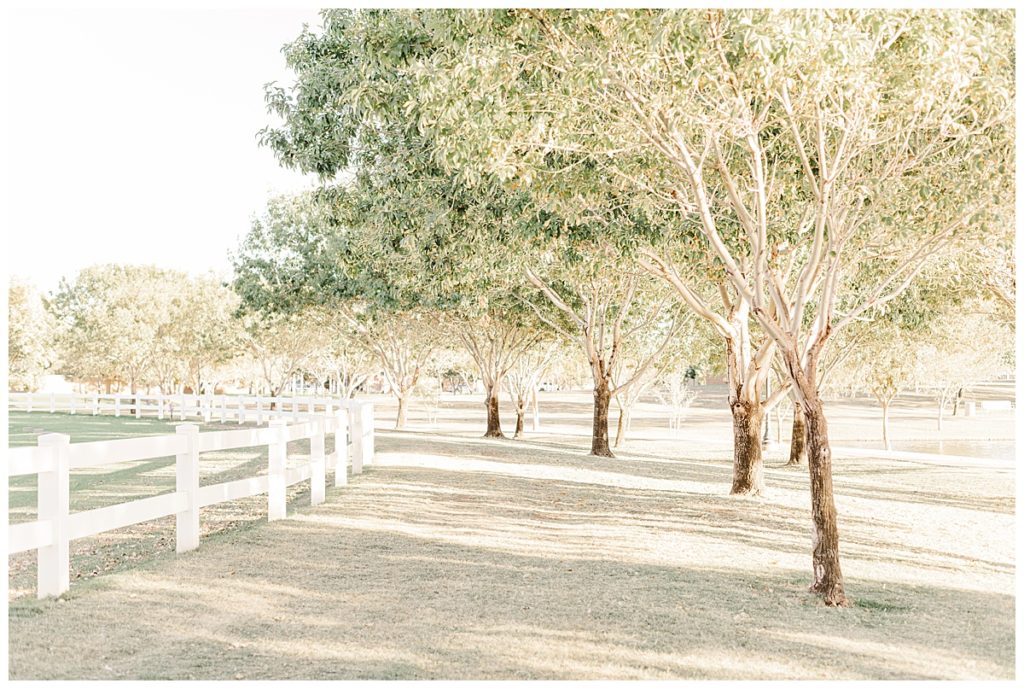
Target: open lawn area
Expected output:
[459,557]
[112,484]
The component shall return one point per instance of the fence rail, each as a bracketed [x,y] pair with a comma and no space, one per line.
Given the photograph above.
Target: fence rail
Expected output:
[209,408]
[351,424]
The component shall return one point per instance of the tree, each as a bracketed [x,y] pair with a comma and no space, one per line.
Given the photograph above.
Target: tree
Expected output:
[961,348]
[200,332]
[787,172]
[803,148]
[281,346]
[496,342]
[525,377]
[30,336]
[402,234]
[887,361]
[403,344]
[110,317]
[608,313]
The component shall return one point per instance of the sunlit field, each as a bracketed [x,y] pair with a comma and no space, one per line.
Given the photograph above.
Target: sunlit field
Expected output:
[460,557]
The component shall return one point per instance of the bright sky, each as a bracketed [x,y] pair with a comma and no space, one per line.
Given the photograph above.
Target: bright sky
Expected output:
[132,135]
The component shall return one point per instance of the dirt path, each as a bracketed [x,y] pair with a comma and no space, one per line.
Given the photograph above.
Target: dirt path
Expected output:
[465,558]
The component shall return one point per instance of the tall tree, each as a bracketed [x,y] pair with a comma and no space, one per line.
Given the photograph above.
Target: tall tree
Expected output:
[803,148]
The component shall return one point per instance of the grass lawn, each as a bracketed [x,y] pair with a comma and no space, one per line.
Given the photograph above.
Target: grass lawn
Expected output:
[458,557]
[108,485]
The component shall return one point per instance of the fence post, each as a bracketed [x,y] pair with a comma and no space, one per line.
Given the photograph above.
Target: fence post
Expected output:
[223,399]
[160,406]
[138,407]
[181,407]
[96,404]
[276,483]
[53,402]
[341,447]
[311,405]
[187,482]
[73,406]
[318,463]
[241,410]
[117,405]
[207,408]
[295,408]
[29,407]
[362,434]
[53,575]
[259,410]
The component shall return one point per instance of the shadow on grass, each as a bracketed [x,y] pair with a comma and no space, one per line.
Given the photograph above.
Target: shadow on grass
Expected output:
[384,605]
[630,570]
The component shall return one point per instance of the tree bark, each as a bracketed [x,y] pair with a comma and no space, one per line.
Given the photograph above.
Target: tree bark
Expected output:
[403,399]
[620,427]
[599,442]
[885,426]
[828,576]
[493,416]
[798,440]
[520,418]
[748,462]
[536,413]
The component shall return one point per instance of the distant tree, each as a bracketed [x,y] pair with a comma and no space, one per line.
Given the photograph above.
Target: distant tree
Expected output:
[887,361]
[612,315]
[524,379]
[964,347]
[31,336]
[342,362]
[200,332]
[281,346]
[110,318]
[403,344]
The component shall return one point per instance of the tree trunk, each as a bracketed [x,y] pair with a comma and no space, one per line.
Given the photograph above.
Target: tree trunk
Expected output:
[828,576]
[493,417]
[520,418]
[885,426]
[748,462]
[620,427]
[536,413]
[403,399]
[599,443]
[798,440]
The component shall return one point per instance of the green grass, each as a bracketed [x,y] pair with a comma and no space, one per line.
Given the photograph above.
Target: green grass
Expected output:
[97,487]
[25,428]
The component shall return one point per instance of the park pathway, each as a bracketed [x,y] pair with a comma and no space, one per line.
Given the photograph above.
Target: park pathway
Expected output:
[469,558]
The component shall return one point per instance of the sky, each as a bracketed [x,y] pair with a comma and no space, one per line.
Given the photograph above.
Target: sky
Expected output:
[131,136]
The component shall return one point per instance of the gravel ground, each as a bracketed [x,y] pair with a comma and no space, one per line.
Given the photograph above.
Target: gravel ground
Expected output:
[456,557]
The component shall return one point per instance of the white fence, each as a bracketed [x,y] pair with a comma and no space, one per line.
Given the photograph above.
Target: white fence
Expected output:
[54,457]
[209,408]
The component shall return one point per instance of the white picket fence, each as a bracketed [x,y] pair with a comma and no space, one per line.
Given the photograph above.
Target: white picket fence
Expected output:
[55,456]
[209,408]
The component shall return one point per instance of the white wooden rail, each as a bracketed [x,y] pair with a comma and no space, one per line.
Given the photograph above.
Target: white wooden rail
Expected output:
[209,408]
[55,457]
